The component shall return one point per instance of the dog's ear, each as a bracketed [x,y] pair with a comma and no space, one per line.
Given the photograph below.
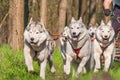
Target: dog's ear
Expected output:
[73,20]
[90,25]
[109,23]
[42,23]
[102,23]
[66,27]
[80,19]
[28,26]
[31,20]
[96,24]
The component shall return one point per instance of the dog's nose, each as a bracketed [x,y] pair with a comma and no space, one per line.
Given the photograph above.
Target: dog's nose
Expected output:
[32,39]
[92,34]
[74,33]
[106,36]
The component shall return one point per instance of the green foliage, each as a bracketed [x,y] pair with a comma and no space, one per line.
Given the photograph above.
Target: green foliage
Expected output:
[12,67]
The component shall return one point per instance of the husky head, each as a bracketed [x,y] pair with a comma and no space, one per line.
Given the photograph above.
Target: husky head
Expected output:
[92,29]
[105,32]
[65,33]
[35,33]
[77,29]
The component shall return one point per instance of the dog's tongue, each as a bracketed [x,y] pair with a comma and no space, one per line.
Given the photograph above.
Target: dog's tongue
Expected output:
[74,38]
[105,41]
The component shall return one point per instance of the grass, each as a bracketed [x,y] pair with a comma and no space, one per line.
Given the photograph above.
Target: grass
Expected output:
[12,67]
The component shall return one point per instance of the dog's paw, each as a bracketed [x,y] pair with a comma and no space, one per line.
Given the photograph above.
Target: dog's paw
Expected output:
[53,70]
[67,72]
[84,71]
[31,71]
[77,75]
[105,70]
[96,70]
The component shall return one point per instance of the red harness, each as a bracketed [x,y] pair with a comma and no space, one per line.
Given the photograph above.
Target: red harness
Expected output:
[118,29]
[77,51]
[103,47]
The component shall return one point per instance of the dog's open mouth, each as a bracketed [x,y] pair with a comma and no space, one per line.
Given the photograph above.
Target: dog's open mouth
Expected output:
[33,43]
[105,40]
[74,38]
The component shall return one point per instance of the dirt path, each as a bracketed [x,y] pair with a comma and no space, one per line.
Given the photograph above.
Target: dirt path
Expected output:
[103,76]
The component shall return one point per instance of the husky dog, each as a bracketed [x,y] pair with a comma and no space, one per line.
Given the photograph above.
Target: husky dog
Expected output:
[63,40]
[104,45]
[77,46]
[92,31]
[37,45]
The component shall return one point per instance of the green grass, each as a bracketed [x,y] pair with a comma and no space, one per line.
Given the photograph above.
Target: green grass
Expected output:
[12,67]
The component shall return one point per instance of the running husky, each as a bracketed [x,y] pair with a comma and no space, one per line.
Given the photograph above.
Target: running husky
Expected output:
[63,40]
[77,46]
[104,45]
[92,30]
[39,45]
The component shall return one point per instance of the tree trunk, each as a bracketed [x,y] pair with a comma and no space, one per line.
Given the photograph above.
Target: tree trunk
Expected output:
[75,9]
[16,24]
[43,11]
[62,14]
[93,12]
[35,9]
[99,11]
[69,11]
[83,10]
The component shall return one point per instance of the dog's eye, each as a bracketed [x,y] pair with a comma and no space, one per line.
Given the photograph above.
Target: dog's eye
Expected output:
[37,32]
[41,31]
[78,27]
[108,31]
[30,31]
[71,27]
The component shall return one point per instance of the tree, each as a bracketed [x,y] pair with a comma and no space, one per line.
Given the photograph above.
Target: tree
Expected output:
[75,9]
[62,14]
[83,10]
[43,11]
[92,12]
[69,11]
[16,24]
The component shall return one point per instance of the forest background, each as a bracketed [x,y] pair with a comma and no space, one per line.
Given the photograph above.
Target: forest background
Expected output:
[56,14]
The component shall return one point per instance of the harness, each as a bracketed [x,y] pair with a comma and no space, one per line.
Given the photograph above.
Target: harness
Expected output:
[77,51]
[103,48]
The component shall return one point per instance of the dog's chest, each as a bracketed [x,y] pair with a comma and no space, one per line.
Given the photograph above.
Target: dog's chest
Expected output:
[77,45]
[41,55]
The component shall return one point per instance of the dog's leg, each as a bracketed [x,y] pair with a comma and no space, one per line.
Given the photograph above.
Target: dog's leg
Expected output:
[43,68]
[82,65]
[84,70]
[97,62]
[107,63]
[67,66]
[50,60]
[64,61]
[63,53]
[28,54]
[108,57]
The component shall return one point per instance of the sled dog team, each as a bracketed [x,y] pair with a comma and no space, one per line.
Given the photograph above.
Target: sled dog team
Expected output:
[79,45]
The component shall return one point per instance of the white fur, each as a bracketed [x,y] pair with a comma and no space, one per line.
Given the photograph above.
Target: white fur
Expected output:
[104,31]
[77,38]
[37,46]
